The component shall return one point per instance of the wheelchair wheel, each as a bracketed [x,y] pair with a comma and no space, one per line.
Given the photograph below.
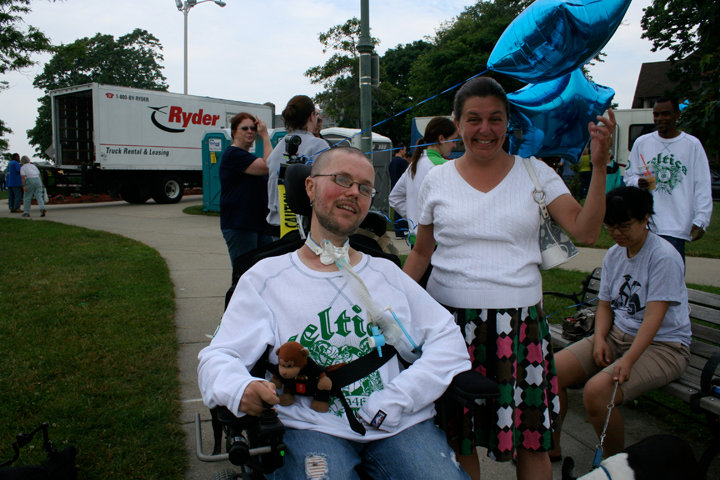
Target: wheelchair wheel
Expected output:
[227,474]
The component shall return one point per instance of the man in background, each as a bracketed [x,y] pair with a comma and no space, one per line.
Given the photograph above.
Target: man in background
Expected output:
[674,166]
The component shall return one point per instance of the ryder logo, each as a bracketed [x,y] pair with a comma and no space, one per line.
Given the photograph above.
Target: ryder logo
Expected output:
[109,95]
[176,117]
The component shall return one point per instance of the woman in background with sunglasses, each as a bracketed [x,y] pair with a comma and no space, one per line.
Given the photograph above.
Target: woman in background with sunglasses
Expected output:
[243,188]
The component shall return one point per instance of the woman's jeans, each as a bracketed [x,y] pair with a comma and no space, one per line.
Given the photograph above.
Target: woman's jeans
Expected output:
[240,241]
[34,188]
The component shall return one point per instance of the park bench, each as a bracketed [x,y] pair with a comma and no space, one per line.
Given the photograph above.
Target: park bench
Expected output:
[699,386]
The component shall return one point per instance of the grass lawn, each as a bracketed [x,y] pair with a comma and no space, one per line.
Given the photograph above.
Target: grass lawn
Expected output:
[705,247]
[198,210]
[88,341]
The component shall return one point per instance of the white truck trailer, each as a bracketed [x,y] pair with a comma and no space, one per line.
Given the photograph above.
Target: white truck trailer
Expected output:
[631,123]
[138,143]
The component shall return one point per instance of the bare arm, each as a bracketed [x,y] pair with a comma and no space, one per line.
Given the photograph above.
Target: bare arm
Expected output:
[654,315]
[263,132]
[603,324]
[419,259]
[584,222]
[259,166]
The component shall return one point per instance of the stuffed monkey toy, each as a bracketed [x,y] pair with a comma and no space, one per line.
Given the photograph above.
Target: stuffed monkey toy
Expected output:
[298,373]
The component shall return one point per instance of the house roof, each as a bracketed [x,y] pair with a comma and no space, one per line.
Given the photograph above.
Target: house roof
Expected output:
[652,82]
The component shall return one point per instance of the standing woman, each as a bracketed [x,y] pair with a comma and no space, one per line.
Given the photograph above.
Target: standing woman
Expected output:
[32,186]
[301,119]
[243,188]
[439,139]
[480,210]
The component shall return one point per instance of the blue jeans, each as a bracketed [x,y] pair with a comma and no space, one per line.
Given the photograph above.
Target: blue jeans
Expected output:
[15,195]
[34,189]
[678,243]
[417,453]
[240,241]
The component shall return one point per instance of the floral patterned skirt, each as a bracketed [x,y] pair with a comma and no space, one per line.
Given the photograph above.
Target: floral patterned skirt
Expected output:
[512,346]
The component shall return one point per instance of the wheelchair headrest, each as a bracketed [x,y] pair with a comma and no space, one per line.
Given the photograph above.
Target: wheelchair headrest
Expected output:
[298,201]
[296,196]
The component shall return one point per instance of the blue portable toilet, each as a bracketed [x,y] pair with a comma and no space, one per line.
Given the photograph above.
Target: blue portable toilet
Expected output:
[214,144]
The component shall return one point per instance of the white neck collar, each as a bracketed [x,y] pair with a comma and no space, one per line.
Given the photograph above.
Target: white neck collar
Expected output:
[329,253]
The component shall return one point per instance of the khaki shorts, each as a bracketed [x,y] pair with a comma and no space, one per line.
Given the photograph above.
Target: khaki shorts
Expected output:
[659,364]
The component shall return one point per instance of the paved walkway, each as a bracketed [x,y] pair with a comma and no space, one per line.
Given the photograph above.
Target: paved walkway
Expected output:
[200,270]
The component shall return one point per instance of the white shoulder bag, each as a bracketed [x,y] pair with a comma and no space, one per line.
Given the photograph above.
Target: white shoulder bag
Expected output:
[556,247]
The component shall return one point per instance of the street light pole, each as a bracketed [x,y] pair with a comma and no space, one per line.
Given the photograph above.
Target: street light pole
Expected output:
[184,7]
[365,49]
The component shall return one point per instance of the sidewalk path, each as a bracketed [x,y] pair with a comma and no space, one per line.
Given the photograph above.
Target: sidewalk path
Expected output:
[200,270]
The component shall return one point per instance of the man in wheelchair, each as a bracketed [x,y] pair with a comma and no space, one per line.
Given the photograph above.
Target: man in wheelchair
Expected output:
[329,298]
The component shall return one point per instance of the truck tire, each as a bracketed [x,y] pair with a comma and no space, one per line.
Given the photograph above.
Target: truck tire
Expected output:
[168,190]
[134,193]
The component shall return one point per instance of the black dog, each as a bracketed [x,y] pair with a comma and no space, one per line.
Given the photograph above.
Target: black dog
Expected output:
[659,457]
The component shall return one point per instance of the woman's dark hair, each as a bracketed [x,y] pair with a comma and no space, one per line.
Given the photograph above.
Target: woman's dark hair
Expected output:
[297,112]
[235,121]
[437,126]
[479,87]
[623,204]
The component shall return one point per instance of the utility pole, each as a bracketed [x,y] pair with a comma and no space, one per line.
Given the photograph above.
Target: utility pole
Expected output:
[365,48]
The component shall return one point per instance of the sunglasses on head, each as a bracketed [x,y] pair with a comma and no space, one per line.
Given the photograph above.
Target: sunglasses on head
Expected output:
[245,128]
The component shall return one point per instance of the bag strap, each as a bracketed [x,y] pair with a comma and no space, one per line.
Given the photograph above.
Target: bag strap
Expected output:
[538,193]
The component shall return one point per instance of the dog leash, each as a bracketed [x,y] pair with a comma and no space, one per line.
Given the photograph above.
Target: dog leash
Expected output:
[599,450]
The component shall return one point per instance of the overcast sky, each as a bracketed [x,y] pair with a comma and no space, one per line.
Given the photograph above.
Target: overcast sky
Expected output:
[258,50]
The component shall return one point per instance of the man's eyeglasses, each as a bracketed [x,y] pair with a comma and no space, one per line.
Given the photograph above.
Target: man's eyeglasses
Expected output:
[245,128]
[347,182]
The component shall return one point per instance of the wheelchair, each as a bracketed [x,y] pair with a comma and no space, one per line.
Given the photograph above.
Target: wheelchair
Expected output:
[254,444]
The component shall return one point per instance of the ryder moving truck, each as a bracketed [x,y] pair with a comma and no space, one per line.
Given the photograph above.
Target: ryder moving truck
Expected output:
[138,143]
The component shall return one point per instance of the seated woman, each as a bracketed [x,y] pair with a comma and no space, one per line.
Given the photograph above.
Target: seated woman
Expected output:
[642,326]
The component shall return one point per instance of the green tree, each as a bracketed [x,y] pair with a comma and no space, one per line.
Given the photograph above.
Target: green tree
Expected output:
[395,66]
[412,72]
[17,45]
[690,31]
[133,60]
[339,76]
[461,49]
[3,142]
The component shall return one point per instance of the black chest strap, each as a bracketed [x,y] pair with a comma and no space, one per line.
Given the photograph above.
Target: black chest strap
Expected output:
[352,372]
[341,376]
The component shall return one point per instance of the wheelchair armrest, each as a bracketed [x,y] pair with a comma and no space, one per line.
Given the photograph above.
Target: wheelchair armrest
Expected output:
[470,385]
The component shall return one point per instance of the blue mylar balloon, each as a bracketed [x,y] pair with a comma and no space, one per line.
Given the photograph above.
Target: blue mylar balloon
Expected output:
[551,38]
[551,118]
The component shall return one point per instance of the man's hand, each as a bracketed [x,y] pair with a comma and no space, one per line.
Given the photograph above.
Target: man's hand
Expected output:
[696,233]
[255,394]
